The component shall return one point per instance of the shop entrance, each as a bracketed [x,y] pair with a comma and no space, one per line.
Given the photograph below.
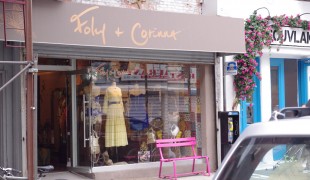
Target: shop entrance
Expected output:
[53,119]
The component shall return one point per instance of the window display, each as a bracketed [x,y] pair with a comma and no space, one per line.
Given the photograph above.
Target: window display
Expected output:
[130,105]
[115,128]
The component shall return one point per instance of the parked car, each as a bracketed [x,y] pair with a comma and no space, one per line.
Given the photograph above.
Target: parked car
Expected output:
[274,150]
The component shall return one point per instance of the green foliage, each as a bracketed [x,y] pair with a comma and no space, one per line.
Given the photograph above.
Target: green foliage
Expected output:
[258,35]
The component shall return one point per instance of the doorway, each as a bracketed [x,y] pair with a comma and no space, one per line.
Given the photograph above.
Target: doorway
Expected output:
[277,84]
[53,119]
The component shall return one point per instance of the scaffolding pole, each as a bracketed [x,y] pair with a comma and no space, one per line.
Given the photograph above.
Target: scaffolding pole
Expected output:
[12,79]
[15,62]
[30,107]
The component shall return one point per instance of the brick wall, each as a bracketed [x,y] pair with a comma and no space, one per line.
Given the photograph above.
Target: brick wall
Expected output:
[179,6]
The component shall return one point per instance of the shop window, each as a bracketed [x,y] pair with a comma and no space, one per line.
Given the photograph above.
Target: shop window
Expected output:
[133,104]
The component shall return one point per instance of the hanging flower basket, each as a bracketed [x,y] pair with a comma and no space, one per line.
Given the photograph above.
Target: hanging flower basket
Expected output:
[258,35]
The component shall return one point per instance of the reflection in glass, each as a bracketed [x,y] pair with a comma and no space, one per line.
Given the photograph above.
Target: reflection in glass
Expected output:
[129,105]
[276,158]
[274,88]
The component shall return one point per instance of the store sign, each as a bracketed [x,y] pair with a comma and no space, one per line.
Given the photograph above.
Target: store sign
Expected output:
[72,23]
[103,71]
[293,37]
[230,68]
[170,73]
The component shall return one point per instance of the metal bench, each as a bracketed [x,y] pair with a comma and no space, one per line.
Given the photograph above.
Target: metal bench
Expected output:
[180,142]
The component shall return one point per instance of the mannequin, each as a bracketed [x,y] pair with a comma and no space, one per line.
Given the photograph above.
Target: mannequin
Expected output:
[115,129]
[92,89]
[136,90]
[137,109]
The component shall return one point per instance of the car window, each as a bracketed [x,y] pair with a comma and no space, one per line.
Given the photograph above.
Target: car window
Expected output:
[274,158]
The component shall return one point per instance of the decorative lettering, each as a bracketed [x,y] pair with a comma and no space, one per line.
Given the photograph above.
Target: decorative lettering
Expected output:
[118,32]
[86,27]
[147,34]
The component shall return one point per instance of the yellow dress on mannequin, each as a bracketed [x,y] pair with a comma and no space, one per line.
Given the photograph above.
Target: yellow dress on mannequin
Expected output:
[115,128]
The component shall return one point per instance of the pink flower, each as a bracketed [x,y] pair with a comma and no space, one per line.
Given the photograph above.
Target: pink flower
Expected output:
[259,34]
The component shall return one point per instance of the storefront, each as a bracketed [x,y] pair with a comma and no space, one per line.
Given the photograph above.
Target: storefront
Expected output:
[286,77]
[113,111]
[113,80]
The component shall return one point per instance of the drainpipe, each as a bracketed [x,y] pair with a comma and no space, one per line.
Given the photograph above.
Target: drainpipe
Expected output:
[30,108]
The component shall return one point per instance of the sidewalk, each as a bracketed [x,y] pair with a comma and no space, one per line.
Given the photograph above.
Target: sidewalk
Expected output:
[66,175]
[197,177]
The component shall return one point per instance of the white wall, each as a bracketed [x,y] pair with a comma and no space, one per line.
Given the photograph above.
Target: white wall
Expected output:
[243,8]
[265,87]
[179,6]
[230,94]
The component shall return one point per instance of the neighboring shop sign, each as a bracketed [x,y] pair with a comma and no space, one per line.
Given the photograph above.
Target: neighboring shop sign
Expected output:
[230,68]
[293,37]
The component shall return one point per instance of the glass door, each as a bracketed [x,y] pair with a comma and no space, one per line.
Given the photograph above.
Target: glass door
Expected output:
[86,111]
[277,84]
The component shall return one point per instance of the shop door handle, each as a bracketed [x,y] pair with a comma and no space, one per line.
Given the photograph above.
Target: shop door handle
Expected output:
[84,119]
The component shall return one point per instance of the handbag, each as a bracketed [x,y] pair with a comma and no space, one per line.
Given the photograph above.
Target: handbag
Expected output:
[150,136]
[174,129]
[94,143]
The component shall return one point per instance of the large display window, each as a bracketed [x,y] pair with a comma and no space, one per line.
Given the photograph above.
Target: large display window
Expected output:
[123,107]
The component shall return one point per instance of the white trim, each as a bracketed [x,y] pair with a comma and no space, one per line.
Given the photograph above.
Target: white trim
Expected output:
[287,52]
[55,68]
[265,87]
[2,123]
[141,166]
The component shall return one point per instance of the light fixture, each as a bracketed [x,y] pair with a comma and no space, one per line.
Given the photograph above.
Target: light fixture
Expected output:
[255,12]
[302,15]
[270,23]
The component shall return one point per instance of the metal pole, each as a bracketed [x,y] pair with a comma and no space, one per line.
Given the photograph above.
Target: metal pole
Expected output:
[224,84]
[29,94]
[14,62]
[12,79]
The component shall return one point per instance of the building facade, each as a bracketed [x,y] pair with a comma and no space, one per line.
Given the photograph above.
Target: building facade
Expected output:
[284,69]
[114,76]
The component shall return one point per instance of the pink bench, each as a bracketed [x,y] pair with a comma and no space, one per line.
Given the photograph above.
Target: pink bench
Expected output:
[180,142]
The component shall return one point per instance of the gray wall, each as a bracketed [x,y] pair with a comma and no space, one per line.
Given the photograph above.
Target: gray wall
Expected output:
[10,110]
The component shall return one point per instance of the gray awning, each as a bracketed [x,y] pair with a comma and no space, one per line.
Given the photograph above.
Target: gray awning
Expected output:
[76,24]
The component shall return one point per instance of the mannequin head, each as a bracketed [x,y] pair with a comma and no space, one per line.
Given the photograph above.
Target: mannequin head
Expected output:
[136,86]
[113,83]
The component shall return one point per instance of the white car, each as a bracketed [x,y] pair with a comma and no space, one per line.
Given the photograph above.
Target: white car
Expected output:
[274,150]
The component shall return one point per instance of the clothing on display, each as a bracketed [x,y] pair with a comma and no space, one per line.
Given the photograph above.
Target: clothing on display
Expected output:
[137,114]
[93,95]
[115,128]
[92,89]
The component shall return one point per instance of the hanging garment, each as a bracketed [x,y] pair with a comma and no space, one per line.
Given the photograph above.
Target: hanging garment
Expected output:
[115,128]
[137,112]
[94,110]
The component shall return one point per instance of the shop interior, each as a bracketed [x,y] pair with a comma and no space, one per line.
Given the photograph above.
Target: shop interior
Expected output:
[53,126]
